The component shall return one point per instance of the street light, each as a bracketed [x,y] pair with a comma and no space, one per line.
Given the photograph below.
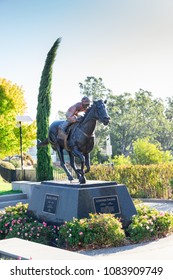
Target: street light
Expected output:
[108,147]
[21,119]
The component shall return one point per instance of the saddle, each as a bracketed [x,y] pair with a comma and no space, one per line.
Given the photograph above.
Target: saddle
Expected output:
[65,135]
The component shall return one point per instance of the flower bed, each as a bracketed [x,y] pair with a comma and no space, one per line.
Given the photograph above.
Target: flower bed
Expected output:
[97,231]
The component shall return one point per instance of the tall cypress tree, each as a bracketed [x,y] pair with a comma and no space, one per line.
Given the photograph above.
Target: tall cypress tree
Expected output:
[44,165]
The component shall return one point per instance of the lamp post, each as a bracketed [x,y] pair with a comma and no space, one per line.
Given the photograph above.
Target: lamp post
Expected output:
[21,119]
[108,148]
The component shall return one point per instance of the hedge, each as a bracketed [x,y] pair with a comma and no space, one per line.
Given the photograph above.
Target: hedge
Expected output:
[142,181]
[7,164]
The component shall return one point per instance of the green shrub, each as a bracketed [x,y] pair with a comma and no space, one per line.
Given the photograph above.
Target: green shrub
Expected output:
[152,181]
[7,165]
[121,160]
[149,223]
[146,153]
[14,222]
[11,214]
[99,230]
[33,230]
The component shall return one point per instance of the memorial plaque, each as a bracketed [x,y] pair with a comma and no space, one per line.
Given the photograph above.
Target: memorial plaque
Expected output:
[50,203]
[107,204]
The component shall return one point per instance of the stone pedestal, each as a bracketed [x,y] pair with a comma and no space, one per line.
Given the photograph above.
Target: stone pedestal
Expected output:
[57,202]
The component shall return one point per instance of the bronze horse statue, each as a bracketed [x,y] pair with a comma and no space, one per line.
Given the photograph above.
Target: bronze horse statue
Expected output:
[79,140]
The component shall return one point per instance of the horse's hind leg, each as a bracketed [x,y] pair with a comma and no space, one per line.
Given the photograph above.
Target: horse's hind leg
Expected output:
[62,162]
[73,165]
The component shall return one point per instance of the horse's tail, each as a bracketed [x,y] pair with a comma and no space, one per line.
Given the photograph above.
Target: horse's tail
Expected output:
[42,143]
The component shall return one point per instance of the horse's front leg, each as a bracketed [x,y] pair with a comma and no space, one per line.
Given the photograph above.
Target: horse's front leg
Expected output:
[73,165]
[80,173]
[87,163]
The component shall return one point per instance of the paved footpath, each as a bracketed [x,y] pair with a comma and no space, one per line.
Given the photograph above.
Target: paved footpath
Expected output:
[159,204]
[161,249]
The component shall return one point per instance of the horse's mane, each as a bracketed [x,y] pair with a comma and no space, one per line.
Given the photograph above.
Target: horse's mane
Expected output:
[87,111]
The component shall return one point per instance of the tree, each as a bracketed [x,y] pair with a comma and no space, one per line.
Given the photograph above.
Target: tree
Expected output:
[61,115]
[146,153]
[123,122]
[44,167]
[165,132]
[94,88]
[134,117]
[12,103]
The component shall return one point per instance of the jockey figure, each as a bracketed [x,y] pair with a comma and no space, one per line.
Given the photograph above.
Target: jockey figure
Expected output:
[73,111]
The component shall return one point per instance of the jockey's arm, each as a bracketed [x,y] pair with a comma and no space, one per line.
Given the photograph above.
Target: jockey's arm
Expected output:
[71,114]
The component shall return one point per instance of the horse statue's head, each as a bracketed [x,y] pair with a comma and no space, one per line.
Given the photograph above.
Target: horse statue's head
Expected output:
[101,112]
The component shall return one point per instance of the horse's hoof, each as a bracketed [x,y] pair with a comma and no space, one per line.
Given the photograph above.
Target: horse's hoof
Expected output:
[82,180]
[70,178]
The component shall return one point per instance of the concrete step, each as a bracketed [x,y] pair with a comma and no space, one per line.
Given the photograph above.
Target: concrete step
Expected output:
[11,197]
[12,200]
[12,203]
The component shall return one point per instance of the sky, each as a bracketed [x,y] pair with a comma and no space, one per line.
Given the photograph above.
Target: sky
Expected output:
[128,43]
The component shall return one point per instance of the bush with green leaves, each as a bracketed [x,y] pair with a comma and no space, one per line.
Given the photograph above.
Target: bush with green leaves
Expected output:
[149,224]
[33,230]
[151,181]
[121,160]
[7,164]
[146,153]
[14,222]
[99,230]
[9,215]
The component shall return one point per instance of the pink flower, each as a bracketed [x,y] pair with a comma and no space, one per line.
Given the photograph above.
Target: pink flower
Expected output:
[162,213]
[11,229]
[80,233]
[13,222]
[44,224]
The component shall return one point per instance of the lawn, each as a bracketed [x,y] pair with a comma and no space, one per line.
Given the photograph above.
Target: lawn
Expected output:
[6,188]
